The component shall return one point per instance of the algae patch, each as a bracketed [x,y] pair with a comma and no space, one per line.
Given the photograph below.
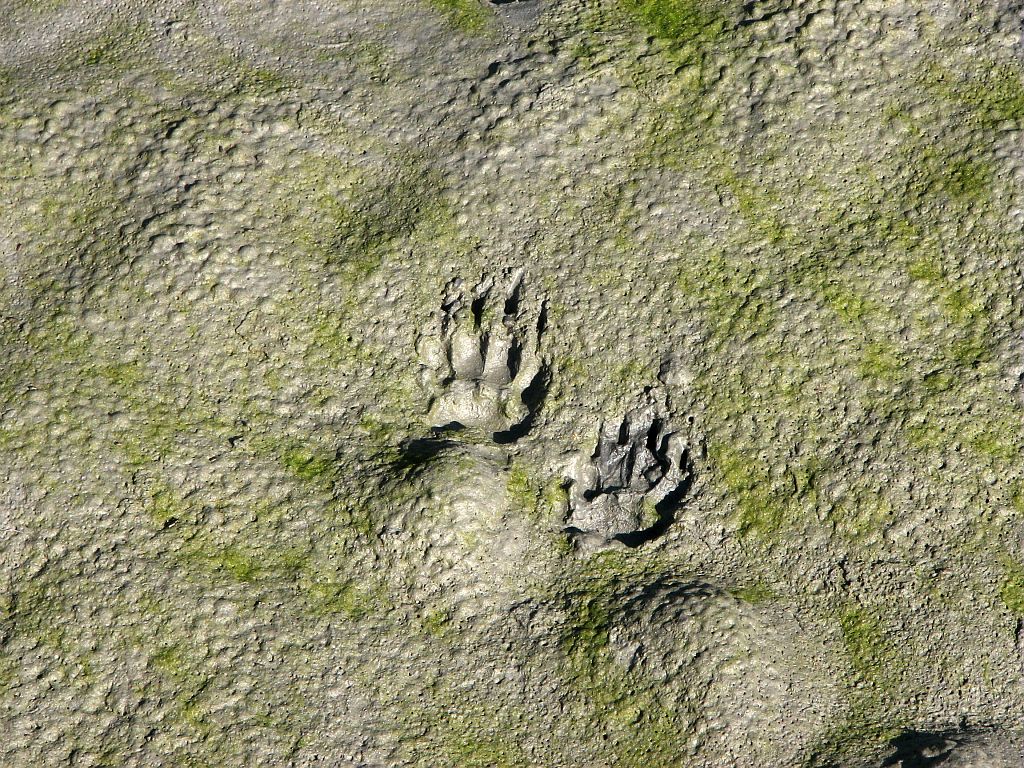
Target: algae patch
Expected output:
[468,16]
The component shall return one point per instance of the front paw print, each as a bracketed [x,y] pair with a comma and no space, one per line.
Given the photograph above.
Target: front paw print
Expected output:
[482,367]
[628,489]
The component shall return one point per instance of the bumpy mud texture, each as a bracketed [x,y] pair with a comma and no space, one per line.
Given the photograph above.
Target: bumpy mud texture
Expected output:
[454,383]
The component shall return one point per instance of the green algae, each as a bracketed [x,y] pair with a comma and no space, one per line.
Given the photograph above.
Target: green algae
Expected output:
[850,309]
[359,234]
[332,334]
[861,519]
[1011,591]
[682,22]
[39,6]
[476,743]
[158,421]
[169,661]
[632,375]
[990,92]
[347,599]
[44,610]
[852,305]
[522,492]
[542,502]
[760,208]
[162,413]
[115,50]
[248,78]
[373,57]
[469,16]
[872,655]
[261,557]
[181,669]
[189,682]
[863,730]
[623,706]
[895,208]
[455,727]
[437,623]
[240,565]
[756,593]
[59,342]
[348,222]
[764,505]
[165,508]
[882,361]
[868,725]
[9,670]
[309,464]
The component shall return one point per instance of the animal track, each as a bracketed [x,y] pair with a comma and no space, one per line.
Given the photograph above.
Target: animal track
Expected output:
[482,367]
[956,749]
[628,489]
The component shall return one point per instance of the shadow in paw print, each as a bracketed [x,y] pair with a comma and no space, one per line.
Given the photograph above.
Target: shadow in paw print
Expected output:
[521,10]
[533,398]
[417,453]
[630,488]
[915,749]
[973,748]
[482,368]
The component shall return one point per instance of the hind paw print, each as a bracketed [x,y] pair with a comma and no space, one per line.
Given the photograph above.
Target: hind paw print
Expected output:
[628,489]
[482,367]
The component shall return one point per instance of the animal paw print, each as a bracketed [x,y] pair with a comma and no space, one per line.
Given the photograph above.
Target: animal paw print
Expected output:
[628,489]
[483,370]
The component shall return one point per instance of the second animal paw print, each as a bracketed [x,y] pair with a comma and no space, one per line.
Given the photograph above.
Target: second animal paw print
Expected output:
[628,489]
[481,359]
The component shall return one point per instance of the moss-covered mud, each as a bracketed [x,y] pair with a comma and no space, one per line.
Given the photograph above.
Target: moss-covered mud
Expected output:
[228,227]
